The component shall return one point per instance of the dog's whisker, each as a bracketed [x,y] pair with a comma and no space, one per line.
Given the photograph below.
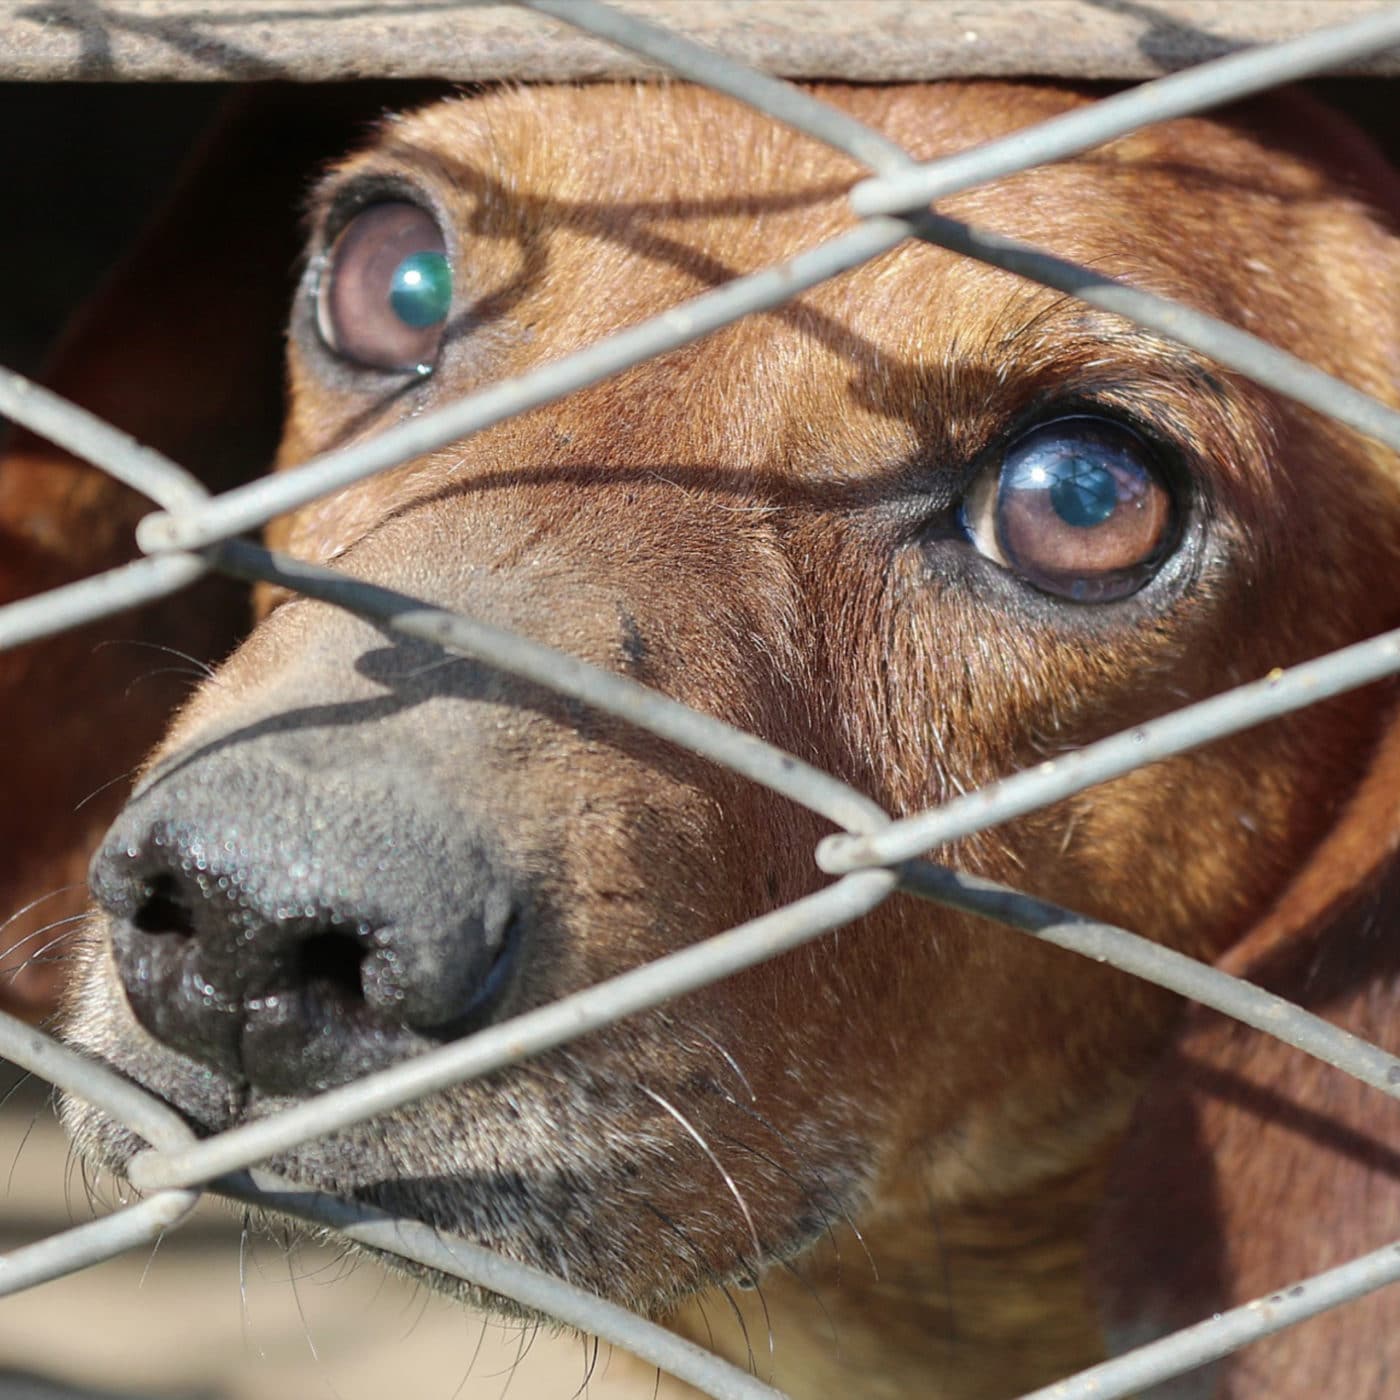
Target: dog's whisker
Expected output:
[713,1276]
[924,527]
[824,1187]
[592,1365]
[192,676]
[24,1077]
[39,958]
[202,668]
[42,899]
[482,1325]
[102,787]
[421,1298]
[244,1318]
[150,1260]
[24,1138]
[723,1054]
[40,932]
[528,1333]
[306,1329]
[814,1293]
[756,1288]
[808,1195]
[730,1185]
[695,1254]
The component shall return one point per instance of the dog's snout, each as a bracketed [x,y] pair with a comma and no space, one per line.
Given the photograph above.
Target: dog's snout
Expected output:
[297,929]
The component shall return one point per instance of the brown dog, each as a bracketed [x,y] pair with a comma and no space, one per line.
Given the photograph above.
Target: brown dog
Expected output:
[922,526]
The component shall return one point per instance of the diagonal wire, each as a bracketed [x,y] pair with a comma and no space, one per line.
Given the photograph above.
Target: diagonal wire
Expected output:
[614,694]
[92,1243]
[247,507]
[1227,1332]
[1277,694]
[530,1033]
[1207,85]
[87,436]
[1236,349]
[774,97]
[531,1287]
[193,524]
[103,595]
[31,1049]
[1197,89]
[1165,967]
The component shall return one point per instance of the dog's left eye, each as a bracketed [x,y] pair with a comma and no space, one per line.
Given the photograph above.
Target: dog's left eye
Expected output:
[1079,507]
[386,288]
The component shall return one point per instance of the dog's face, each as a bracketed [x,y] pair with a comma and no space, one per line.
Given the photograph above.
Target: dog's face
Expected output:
[922,526]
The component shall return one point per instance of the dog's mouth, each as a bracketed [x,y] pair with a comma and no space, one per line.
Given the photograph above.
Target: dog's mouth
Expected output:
[557,1162]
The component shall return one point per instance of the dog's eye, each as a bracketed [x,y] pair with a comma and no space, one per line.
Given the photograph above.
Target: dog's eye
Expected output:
[1078,507]
[386,288]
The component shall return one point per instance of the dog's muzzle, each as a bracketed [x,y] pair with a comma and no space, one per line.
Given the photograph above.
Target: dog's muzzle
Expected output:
[293,924]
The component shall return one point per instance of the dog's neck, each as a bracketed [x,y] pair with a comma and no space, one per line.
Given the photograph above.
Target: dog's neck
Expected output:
[934,1301]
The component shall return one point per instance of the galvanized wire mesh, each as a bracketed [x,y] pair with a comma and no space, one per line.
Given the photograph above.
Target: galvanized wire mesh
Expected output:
[876,856]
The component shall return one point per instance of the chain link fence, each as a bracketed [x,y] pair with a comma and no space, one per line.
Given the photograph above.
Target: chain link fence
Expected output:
[194,533]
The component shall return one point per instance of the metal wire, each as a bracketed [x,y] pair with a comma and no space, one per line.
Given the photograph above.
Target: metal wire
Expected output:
[532,1288]
[1279,693]
[1210,1340]
[104,595]
[1198,89]
[247,507]
[873,856]
[771,96]
[1225,344]
[87,436]
[143,1113]
[1129,952]
[84,1245]
[607,691]
[511,1041]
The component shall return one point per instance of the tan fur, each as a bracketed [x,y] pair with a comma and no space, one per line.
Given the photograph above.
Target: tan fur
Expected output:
[745,507]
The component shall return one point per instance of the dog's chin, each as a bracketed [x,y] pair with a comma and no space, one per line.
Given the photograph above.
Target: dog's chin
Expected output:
[108,1146]
[510,1211]
[509,1175]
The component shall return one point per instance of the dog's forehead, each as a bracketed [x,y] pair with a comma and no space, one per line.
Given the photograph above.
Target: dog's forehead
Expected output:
[599,205]
[692,188]
[575,212]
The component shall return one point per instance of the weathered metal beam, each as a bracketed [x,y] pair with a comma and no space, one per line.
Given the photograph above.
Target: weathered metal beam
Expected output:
[857,40]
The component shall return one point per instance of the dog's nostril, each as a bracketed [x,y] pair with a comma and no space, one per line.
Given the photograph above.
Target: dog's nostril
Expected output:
[162,910]
[331,963]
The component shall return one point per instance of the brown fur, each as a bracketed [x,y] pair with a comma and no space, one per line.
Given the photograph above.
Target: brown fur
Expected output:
[737,525]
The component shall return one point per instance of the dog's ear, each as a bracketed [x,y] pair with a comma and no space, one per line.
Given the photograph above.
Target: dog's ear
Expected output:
[183,349]
[1250,1165]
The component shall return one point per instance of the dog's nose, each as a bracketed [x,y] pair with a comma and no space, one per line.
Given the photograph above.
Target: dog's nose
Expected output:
[297,928]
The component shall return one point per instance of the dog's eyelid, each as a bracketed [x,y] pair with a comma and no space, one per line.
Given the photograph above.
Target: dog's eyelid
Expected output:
[343,196]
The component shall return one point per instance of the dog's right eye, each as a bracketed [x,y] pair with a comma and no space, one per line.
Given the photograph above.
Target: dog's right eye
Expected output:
[386,288]
[1078,507]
